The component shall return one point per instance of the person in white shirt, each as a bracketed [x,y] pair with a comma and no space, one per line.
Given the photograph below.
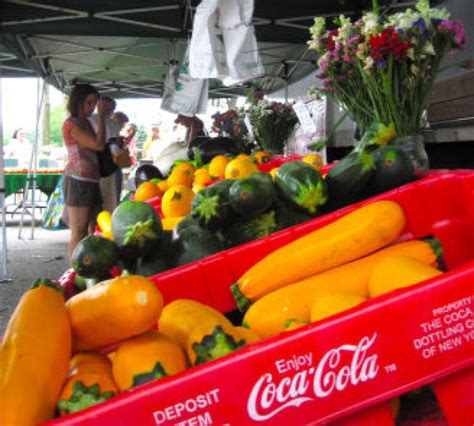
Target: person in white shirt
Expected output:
[108,187]
[20,149]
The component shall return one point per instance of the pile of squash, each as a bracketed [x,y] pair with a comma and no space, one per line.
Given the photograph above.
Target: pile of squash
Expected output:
[52,358]
[224,214]
[334,268]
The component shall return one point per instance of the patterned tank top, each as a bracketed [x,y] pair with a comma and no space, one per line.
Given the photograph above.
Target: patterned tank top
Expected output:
[82,163]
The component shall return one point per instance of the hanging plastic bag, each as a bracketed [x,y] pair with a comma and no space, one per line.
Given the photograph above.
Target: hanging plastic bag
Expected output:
[53,214]
[169,86]
[190,94]
[207,58]
[242,57]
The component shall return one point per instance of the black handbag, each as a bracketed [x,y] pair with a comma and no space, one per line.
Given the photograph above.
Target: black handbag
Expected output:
[106,162]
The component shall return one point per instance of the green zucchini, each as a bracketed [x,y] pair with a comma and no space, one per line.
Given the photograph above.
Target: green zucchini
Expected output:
[349,180]
[193,243]
[211,206]
[251,196]
[136,228]
[302,186]
[245,230]
[94,257]
[394,168]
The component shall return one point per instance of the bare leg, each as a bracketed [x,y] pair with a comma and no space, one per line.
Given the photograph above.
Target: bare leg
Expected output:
[79,219]
[92,221]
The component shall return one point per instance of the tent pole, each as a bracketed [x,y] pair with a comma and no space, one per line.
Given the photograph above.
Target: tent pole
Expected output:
[31,174]
[5,278]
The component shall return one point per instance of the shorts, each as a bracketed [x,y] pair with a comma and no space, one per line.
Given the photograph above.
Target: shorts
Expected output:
[80,193]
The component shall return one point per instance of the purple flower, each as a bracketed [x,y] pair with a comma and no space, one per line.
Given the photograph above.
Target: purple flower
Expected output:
[422,25]
[347,58]
[381,63]
[455,27]
[353,39]
[324,64]
[327,82]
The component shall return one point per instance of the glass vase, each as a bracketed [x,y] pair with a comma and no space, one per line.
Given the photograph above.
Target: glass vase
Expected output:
[414,146]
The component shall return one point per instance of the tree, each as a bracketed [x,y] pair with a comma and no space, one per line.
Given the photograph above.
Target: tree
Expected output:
[58,115]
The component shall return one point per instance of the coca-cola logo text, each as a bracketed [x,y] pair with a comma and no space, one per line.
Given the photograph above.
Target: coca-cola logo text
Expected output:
[337,369]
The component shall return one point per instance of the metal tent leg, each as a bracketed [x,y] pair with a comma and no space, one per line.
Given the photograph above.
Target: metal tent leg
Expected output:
[5,277]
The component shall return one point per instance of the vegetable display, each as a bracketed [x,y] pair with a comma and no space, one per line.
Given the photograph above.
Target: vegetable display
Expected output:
[356,234]
[90,382]
[135,227]
[112,311]
[268,315]
[94,257]
[146,357]
[203,332]
[36,343]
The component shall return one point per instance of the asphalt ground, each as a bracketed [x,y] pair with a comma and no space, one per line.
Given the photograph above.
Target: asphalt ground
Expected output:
[43,256]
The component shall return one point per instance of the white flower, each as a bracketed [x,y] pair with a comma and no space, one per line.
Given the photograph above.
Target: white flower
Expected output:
[370,20]
[414,69]
[345,29]
[318,27]
[423,6]
[428,49]
[368,63]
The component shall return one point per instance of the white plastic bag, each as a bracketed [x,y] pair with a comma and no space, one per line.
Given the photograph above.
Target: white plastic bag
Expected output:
[190,95]
[169,87]
[223,44]
[243,59]
[207,53]
[167,153]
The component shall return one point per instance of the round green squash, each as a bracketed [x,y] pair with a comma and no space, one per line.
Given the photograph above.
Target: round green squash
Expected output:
[94,256]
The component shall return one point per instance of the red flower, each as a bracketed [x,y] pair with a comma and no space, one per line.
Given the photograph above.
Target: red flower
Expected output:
[387,41]
[330,39]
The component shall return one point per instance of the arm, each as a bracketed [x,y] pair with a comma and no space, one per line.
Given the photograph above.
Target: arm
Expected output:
[87,138]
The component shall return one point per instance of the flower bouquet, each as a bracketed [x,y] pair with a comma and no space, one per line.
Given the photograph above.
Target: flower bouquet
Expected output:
[381,69]
[273,124]
[229,124]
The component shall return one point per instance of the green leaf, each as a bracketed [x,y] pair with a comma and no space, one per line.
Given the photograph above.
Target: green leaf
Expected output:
[216,345]
[157,372]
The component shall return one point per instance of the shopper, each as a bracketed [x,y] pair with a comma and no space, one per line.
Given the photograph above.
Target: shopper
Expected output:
[81,175]
[19,148]
[129,134]
[108,185]
[194,127]
[120,119]
[152,143]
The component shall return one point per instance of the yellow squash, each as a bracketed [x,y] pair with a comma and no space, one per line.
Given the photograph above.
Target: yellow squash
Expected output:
[393,272]
[34,357]
[147,357]
[113,310]
[269,315]
[330,303]
[90,382]
[350,237]
[203,332]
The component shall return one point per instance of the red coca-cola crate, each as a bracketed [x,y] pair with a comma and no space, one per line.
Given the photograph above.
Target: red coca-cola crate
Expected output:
[342,369]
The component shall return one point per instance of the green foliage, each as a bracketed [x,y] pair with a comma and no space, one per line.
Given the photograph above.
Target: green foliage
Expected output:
[58,115]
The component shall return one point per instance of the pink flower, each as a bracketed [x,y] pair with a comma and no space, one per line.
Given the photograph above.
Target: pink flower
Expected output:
[347,58]
[457,28]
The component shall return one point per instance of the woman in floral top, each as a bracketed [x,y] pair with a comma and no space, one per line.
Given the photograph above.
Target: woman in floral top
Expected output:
[82,174]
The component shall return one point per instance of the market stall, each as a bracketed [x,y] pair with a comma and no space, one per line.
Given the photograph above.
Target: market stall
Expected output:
[45,181]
